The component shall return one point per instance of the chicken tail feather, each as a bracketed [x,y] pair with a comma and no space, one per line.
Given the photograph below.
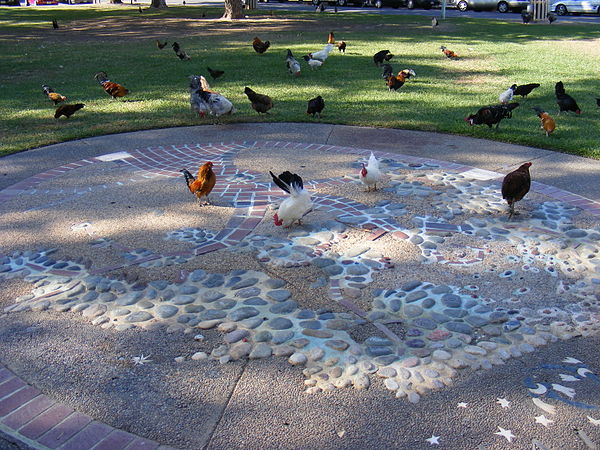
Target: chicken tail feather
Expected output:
[189,178]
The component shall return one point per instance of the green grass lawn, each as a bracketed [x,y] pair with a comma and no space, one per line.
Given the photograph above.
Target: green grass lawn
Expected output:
[120,41]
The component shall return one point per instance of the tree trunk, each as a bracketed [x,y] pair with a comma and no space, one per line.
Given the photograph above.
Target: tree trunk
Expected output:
[233,9]
[158,4]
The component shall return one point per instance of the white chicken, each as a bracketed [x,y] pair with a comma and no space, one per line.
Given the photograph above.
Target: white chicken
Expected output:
[205,101]
[507,95]
[370,175]
[292,64]
[322,55]
[297,205]
[313,63]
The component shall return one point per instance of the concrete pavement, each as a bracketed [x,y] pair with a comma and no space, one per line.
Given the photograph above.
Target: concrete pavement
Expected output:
[261,403]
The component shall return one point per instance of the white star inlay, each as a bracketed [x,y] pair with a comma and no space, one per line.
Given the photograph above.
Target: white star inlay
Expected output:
[433,440]
[462,405]
[505,433]
[503,402]
[543,420]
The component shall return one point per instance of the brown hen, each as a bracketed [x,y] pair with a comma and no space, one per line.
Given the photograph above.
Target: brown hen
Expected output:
[515,186]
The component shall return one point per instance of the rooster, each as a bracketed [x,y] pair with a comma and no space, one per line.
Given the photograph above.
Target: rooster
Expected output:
[261,103]
[525,89]
[381,56]
[565,101]
[548,123]
[297,205]
[313,63]
[203,100]
[53,96]
[507,95]
[370,175]
[67,110]
[331,38]
[113,89]
[293,66]
[181,54]
[396,82]
[322,55]
[315,106]
[515,186]
[341,47]
[408,73]
[203,185]
[490,115]
[161,45]
[260,46]
[448,53]
[215,73]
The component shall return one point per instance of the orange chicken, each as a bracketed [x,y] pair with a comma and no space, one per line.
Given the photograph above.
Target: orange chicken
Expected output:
[203,185]
[113,89]
[548,123]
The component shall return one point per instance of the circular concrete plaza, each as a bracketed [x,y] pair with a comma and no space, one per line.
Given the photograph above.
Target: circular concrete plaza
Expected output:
[403,287]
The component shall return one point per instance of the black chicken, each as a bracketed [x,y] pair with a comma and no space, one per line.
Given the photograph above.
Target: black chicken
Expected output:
[598,101]
[551,18]
[526,16]
[490,115]
[565,101]
[525,89]
[381,56]
[387,71]
[515,186]
[181,54]
[55,24]
[315,106]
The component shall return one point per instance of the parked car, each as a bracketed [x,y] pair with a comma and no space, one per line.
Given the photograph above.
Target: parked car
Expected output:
[10,2]
[502,6]
[564,7]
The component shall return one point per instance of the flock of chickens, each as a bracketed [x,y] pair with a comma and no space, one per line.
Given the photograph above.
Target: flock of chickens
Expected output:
[298,203]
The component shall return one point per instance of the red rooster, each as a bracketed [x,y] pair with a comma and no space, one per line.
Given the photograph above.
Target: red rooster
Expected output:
[113,89]
[203,185]
[515,186]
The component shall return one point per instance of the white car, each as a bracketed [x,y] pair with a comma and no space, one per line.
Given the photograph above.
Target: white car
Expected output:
[564,7]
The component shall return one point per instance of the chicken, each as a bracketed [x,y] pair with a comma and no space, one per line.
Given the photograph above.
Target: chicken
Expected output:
[297,205]
[203,185]
[551,18]
[215,73]
[387,71]
[548,123]
[313,63]
[53,96]
[67,110]
[598,101]
[181,54]
[161,45]
[408,73]
[331,38]
[341,47]
[261,103]
[381,56]
[434,22]
[55,24]
[113,89]
[293,66]
[490,115]
[507,95]
[565,101]
[322,55]
[204,101]
[260,46]
[525,89]
[515,186]
[396,82]
[526,16]
[448,53]
[370,175]
[315,106]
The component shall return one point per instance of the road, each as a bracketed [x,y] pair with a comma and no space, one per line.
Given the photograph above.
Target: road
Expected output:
[450,12]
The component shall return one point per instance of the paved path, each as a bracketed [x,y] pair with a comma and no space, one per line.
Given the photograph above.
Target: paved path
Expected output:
[567,179]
